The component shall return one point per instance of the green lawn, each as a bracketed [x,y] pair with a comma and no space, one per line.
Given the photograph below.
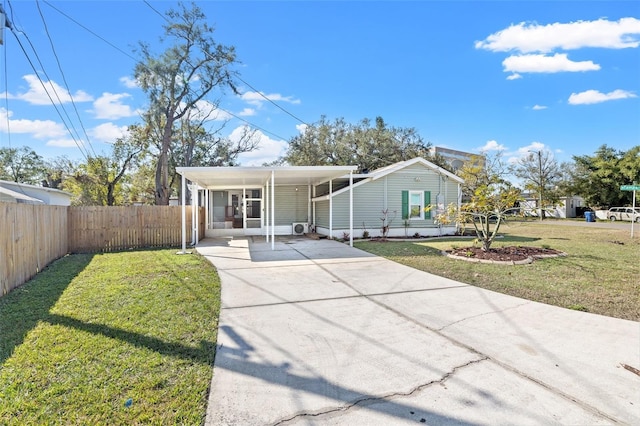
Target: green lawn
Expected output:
[118,338]
[600,274]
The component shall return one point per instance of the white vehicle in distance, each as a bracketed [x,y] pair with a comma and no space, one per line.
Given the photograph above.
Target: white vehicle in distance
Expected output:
[624,213]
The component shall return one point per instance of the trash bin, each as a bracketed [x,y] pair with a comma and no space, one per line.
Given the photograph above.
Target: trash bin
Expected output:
[590,216]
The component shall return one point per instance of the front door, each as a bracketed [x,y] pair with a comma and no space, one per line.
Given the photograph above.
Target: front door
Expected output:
[247,211]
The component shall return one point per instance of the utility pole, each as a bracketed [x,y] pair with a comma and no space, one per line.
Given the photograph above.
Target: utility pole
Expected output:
[4,23]
[540,181]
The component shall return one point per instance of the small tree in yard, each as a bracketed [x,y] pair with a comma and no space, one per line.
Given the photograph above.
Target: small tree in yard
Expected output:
[491,198]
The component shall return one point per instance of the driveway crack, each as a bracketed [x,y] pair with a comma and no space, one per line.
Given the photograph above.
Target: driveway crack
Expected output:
[368,400]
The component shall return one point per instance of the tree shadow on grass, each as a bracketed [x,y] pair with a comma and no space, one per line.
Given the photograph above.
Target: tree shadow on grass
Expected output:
[204,354]
[22,309]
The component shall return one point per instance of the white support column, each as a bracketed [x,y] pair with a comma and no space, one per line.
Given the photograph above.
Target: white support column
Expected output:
[314,208]
[265,216]
[244,210]
[351,208]
[206,210]
[308,203]
[330,209]
[196,206]
[184,215]
[194,203]
[273,210]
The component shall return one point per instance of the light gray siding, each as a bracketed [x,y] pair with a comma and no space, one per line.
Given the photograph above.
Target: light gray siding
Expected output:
[291,205]
[369,199]
[322,213]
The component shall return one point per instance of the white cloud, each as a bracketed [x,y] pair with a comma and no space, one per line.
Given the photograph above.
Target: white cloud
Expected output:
[258,98]
[109,106]
[128,82]
[38,129]
[247,112]
[546,64]
[532,147]
[595,97]
[268,149]
[65,143]
[526,151]
[37,95]
[492,146]
[301,128]
[538,107]
[514,76]
[108,132]
[532,37]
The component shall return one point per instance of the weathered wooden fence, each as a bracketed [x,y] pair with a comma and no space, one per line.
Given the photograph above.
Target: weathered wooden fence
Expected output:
[102,229]
[31,236]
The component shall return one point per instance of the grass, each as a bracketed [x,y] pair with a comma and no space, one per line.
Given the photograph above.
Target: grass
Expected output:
[118,338]
[600,273]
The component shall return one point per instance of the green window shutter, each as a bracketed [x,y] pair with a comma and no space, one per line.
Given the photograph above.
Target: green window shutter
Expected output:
[427,202]
[405,205]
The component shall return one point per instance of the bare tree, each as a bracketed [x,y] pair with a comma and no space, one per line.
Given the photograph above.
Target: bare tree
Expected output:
[541,174]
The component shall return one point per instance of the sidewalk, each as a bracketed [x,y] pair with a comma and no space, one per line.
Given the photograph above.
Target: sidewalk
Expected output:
[317,332]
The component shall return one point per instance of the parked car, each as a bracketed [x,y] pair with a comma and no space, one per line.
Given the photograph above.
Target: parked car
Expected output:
[624,213]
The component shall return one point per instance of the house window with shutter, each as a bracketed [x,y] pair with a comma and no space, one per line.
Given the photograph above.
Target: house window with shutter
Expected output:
[413,204]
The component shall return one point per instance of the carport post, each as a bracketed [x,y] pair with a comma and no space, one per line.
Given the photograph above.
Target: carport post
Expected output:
[273,210]
[266,217]
[184,215]
[351,208]
[330,209]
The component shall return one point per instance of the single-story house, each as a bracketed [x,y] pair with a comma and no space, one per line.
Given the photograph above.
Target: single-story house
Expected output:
[32,194]
[329,200]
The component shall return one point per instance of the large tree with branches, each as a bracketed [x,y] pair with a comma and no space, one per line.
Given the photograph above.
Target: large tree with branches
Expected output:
[185,75]
[366,144]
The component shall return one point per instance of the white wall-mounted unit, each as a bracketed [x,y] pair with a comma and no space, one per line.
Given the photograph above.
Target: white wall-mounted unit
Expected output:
[299,228]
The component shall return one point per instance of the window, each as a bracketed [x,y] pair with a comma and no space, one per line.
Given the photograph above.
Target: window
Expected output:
[413,204]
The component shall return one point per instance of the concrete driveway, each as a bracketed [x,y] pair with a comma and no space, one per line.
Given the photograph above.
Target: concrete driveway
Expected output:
[317,332]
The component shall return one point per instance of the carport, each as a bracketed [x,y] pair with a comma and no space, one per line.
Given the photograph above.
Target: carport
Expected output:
[266,182]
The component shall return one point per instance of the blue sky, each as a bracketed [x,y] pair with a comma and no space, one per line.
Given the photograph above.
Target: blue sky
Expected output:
[500,76]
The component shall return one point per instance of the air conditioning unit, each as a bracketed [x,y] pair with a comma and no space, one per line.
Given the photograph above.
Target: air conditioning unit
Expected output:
[299,228]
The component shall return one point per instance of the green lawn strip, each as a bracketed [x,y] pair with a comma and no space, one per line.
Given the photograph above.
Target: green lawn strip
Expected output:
[600,273]
[135,326]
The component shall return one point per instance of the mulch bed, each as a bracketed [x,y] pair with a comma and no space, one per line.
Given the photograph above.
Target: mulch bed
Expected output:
[504,254]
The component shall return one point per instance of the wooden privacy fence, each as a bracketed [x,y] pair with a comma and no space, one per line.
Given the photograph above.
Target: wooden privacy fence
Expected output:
[102,229]
[31,236]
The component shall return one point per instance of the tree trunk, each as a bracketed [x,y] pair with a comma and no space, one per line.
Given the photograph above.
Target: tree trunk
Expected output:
[162,168]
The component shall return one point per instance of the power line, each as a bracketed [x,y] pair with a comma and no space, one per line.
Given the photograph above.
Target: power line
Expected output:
[64,79]
[88,30]
[6,81]
[136,60]
[237,76]
[45,88]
